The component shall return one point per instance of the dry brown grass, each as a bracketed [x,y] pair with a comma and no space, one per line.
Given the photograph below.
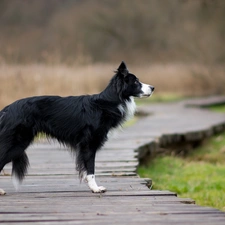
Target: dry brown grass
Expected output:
[18,81]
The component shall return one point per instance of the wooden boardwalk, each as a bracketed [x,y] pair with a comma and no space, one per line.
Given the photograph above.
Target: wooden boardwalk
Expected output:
[53,194]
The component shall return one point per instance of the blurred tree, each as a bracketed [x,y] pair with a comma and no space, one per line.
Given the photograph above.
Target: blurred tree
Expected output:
[68,31]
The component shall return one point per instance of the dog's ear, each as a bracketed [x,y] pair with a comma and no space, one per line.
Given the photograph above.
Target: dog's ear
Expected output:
[123,69]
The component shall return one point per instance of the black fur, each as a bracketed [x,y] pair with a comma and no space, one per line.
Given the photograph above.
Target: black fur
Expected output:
[81,122]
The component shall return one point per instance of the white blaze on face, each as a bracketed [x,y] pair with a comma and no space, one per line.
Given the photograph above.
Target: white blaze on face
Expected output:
[146,89]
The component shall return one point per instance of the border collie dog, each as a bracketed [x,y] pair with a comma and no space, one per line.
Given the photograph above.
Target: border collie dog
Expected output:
[80,122]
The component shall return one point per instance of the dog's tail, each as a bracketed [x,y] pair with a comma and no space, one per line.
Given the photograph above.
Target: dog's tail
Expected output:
[19,169]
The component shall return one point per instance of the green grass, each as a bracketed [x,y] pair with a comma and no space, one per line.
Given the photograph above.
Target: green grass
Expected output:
[200,176]
[217,108]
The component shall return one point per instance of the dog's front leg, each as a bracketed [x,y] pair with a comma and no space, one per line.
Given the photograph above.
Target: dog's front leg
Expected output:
[90,178]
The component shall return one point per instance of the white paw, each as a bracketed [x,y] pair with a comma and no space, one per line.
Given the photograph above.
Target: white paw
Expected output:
[99,189]
[90,179]
[2,192]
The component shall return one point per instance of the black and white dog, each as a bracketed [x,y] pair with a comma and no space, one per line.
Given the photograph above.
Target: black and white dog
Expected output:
[80,122]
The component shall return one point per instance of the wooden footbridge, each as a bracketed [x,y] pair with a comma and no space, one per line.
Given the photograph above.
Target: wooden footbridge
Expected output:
[52,194]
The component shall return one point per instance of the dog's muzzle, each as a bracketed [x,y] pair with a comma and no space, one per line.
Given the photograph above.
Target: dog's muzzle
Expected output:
[147,90]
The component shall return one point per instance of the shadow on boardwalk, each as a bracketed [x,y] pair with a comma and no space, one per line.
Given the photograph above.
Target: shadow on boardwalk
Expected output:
[52,194]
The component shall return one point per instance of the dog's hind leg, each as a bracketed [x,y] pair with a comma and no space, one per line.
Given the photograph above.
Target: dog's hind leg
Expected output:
[20,164]
[2,192]
[14,151]
[3,162]
[4,173]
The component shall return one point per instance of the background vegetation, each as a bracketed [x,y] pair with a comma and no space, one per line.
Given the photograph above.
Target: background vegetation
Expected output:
[85,31]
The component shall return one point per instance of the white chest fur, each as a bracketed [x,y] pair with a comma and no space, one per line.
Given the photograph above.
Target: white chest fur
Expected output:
[128,109]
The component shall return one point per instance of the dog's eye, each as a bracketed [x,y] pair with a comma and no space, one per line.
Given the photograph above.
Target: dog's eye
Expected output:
[136,82]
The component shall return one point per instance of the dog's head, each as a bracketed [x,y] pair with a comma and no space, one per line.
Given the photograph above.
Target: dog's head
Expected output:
[131,84]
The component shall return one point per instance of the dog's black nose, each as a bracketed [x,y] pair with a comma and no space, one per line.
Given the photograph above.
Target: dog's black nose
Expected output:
[152,88]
